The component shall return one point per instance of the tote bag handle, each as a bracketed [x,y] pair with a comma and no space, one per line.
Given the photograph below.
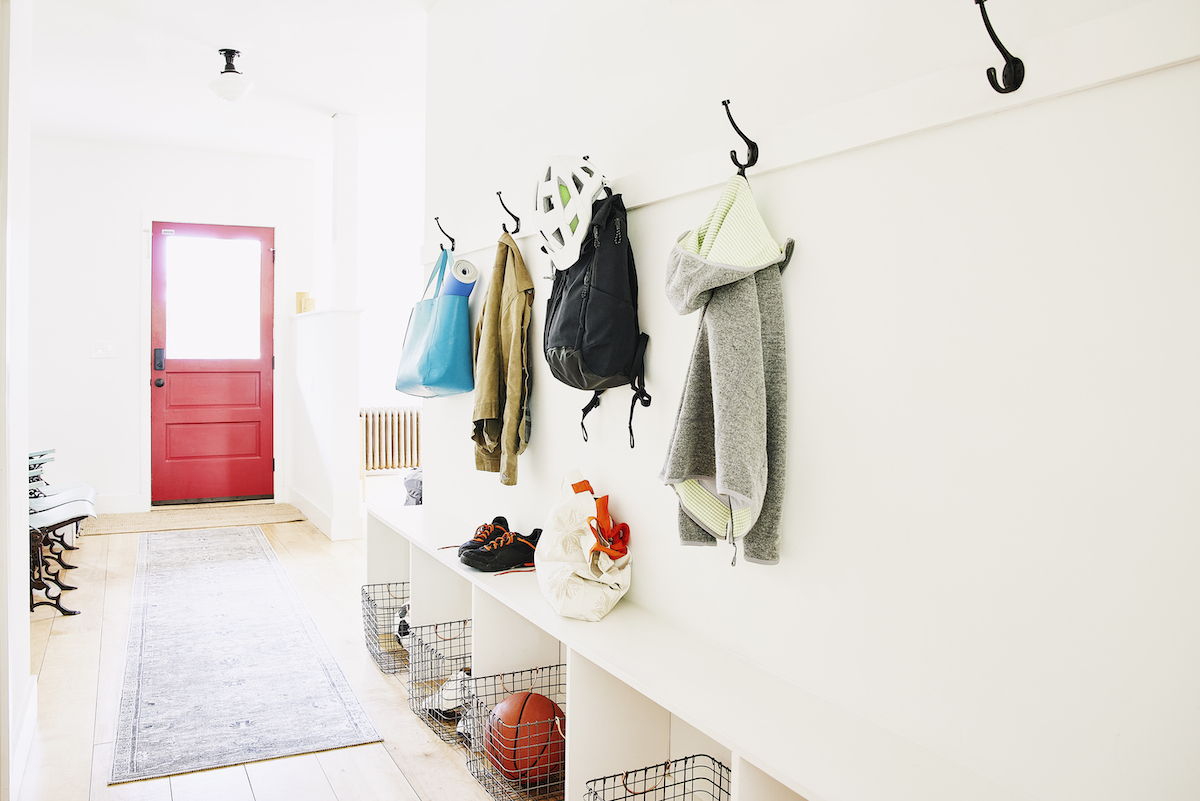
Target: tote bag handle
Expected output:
[438,273]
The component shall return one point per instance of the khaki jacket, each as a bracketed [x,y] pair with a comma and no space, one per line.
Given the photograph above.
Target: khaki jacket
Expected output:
[502,380]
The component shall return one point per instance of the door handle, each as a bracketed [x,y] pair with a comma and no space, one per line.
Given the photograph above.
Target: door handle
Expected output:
[158,382]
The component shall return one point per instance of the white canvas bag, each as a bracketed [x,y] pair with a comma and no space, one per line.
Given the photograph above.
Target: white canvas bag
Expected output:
[582,556]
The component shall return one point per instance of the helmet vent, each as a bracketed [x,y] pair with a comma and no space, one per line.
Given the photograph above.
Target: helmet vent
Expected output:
[564,201]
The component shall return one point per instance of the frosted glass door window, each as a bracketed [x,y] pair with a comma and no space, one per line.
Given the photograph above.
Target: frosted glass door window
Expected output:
[212,294]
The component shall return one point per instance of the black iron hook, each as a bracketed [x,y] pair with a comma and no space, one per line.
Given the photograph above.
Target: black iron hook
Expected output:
[1014,68]
[752,157]
[516,227]
[443,230]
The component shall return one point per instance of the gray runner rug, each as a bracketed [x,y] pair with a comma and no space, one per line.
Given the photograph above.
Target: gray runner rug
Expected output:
[224,664]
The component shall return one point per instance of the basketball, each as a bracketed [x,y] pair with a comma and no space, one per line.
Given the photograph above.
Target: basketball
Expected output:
[522,741]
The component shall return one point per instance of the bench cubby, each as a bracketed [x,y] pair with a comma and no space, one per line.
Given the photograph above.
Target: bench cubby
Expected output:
[524,760]
[439,658]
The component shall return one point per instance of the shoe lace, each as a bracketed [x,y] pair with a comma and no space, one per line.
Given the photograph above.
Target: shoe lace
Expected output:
[505,539]
[483,532]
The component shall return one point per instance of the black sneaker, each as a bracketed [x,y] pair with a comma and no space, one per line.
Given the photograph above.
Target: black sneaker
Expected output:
[485,534]
[508,552]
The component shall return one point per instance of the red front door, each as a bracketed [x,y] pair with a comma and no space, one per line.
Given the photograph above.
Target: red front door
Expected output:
[212,295]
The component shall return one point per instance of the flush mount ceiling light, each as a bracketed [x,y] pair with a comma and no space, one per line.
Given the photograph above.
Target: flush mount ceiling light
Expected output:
[230,85]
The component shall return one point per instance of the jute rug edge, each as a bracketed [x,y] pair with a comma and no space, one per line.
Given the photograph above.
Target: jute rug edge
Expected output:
[180,519]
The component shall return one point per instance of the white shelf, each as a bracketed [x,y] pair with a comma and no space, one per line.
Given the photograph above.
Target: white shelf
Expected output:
[805,743]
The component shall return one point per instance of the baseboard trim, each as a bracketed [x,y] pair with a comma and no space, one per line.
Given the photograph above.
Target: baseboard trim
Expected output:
[315,514]
[122,504]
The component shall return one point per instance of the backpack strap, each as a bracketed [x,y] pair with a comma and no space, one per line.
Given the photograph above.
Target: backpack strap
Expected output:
[592,404]
[637,381]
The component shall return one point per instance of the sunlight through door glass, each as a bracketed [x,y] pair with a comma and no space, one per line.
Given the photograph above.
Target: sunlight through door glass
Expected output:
[212,309]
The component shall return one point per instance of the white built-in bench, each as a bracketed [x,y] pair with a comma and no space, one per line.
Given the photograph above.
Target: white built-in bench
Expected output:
[641,691]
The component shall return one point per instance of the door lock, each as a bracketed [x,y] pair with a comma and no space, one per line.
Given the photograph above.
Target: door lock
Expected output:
[158,382]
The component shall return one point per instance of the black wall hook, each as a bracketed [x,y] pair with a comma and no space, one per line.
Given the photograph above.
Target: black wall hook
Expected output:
[443,230]
[752,157]
[1014,68]
[516,227]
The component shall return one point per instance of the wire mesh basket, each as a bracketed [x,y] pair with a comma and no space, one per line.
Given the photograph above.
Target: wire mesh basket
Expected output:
[694,777]
[439,658]
[384,606]
[517,751]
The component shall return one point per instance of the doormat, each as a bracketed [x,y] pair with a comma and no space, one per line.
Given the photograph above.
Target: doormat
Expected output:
[192,517]
[224,664]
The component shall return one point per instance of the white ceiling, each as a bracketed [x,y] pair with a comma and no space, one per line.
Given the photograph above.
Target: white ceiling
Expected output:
[139,69]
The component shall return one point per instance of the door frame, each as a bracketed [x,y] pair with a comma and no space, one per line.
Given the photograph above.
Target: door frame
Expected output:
[240,475]
[146,374]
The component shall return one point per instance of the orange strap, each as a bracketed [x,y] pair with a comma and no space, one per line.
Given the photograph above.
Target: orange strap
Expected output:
[581,486]
[611,538]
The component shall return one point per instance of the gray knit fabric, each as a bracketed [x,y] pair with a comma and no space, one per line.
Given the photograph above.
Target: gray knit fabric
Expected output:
[731,428]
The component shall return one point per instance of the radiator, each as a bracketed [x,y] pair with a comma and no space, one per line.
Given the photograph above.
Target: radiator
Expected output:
[391,438]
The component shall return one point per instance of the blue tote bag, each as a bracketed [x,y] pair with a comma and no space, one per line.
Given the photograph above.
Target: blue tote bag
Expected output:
[436,359]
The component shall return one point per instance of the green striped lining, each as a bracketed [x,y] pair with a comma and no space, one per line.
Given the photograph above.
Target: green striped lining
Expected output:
[711,512]
[734,232]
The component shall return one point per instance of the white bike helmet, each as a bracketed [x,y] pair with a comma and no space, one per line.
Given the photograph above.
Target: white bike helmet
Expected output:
[564,206]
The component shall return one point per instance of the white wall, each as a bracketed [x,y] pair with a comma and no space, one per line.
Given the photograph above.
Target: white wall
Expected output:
[324,434]
[89,288]
[990,521]
[391,221]
[18,690]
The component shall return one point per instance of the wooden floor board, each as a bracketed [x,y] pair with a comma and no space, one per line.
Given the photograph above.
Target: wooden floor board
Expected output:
[149,790]
[298,778]
[366,773]
[227,784]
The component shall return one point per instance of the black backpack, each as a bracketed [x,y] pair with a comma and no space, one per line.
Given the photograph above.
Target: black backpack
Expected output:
[592,339]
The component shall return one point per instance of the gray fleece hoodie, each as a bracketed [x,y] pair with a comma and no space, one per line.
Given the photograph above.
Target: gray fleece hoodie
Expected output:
[728,452]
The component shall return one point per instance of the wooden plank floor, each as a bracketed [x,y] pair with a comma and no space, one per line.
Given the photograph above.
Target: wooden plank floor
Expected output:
[80,661]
